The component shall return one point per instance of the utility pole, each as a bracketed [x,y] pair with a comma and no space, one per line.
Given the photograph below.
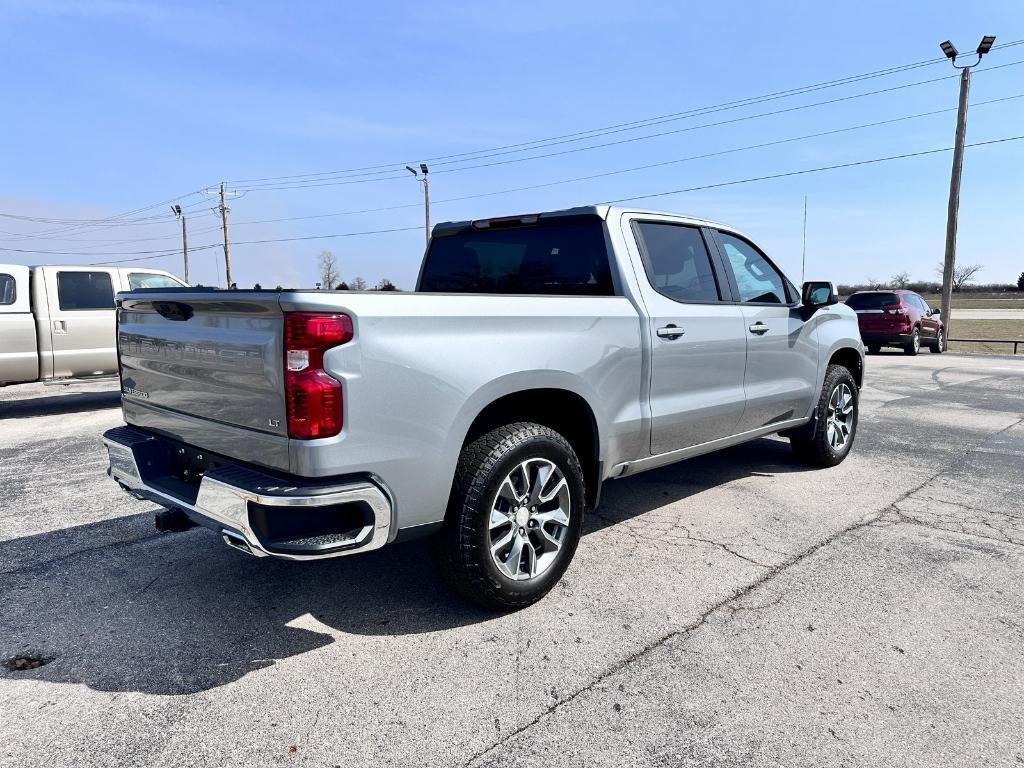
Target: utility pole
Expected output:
[953,209]
[426,196]
[227,248]
[184,237]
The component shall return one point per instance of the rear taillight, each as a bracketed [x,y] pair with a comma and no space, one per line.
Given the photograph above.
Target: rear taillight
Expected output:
[898,311]
[312,396]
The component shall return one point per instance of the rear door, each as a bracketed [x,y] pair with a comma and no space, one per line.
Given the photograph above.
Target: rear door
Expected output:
[19,352]
[81,319]
[781,375]
[698,349]
[929,324]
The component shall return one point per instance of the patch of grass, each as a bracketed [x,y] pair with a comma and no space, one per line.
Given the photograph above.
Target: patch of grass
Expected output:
[979,300]
[987,329]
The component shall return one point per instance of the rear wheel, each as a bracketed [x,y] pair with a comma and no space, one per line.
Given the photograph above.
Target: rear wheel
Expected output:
[914,345]
[514,517]
[874,349]
[837,412]
[940,343]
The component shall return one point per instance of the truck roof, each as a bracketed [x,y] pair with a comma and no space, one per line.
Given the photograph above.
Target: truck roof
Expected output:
[603,210]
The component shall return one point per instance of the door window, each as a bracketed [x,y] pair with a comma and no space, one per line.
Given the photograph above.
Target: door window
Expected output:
[8,290]
[84,290]
[758,281]
[138,280]
[677,262]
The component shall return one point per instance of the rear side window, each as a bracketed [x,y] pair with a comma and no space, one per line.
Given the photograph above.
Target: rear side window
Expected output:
[8,289]
[758,281]
[677,262]
[568,258]
[84,290]
[872,300]
[138,280]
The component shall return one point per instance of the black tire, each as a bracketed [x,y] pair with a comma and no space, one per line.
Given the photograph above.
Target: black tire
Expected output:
[462,546]
[874,349]
[914,345]
[818,450]
[940,342]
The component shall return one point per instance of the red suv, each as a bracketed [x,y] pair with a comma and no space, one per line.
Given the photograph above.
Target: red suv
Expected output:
[897,318]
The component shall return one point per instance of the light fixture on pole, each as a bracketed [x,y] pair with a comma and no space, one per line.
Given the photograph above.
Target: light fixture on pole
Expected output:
[953,208]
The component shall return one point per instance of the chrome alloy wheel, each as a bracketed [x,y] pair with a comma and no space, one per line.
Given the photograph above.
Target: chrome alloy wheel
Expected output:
[839,418]
[529,519]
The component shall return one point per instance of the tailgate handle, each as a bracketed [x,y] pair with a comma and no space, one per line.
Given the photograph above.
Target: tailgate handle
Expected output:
[173,310]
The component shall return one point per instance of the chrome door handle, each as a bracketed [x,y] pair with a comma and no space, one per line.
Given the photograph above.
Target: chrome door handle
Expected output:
[670,332]
[758,328]
[60,327]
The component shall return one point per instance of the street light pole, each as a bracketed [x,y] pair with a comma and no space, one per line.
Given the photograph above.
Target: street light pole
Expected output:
[184,237]
[426,196]
[953,208]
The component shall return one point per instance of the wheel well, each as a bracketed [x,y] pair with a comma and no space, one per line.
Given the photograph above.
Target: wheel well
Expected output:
[565,412]
[850,359]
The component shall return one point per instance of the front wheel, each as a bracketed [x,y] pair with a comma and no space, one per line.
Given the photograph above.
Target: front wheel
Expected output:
[837,412]
[940,343]
[514,517]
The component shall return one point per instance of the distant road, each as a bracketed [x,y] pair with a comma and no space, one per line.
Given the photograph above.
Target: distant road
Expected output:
[988,314]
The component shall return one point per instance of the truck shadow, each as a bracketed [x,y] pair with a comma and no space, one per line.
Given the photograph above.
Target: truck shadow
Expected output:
[180,613]
[51,405]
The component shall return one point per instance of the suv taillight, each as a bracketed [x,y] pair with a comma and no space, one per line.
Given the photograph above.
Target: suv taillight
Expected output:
[312,396]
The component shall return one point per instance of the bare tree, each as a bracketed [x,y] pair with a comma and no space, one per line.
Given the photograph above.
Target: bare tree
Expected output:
[962,274]
[385,285]
[358,284]
[873,285]
[328,264]
[900,280]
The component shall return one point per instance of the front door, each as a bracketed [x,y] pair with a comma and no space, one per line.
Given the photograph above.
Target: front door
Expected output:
[82,319]
[698,348]
[781,376]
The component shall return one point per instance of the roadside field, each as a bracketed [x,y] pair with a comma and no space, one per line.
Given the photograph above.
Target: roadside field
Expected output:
[980,300]
[986,329]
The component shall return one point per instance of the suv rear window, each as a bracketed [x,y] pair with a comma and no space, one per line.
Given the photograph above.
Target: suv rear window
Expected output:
[872,300]
[559,257]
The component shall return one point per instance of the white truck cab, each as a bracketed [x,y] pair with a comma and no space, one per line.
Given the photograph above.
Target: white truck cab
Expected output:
[57,322]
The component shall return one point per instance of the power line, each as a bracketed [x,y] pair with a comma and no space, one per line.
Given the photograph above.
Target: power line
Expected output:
[645,137]
[701,187]
[628,170]
[590,133]
[807,170]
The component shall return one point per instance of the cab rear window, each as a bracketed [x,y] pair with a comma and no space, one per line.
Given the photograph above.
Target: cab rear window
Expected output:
[872,300]
[568,258]
[84,291]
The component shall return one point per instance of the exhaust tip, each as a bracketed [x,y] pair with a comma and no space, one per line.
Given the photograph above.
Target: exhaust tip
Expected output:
[235,541]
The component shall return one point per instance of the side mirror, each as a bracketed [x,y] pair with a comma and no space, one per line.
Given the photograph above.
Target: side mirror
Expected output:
[818,293]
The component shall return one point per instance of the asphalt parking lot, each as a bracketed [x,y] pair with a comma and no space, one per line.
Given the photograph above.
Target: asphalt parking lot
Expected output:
[737,609]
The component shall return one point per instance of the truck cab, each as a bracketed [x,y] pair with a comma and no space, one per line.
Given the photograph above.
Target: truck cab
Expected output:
[58,322]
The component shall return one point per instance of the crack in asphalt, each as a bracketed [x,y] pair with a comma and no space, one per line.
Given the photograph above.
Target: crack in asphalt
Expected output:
[771,573]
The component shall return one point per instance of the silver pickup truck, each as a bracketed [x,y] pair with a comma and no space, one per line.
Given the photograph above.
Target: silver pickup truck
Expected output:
[538,357]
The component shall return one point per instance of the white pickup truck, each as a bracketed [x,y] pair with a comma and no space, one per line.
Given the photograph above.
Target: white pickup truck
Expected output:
[539,356]
[58,322]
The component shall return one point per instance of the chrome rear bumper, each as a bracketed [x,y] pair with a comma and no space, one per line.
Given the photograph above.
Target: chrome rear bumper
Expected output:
[229,494]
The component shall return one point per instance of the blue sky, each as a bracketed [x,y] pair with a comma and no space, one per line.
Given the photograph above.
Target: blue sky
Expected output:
[115,105]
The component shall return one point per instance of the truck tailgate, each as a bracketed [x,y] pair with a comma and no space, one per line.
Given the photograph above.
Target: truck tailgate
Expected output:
[211,355]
